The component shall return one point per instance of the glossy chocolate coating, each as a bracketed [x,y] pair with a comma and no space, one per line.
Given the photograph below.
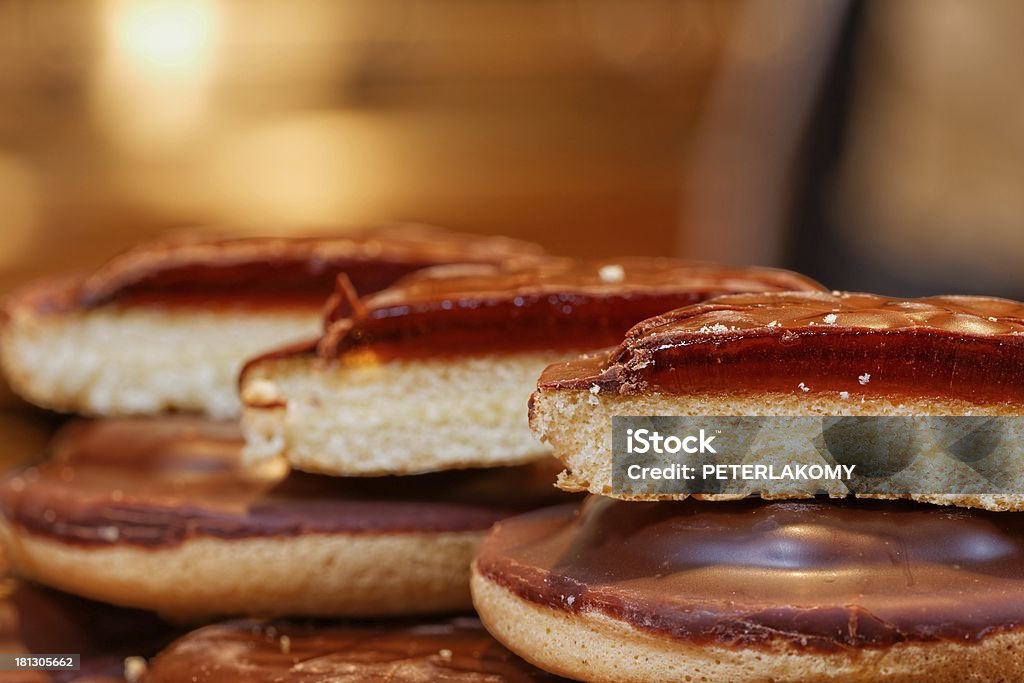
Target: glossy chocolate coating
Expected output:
[458,651]
[35,620]
[269,271]
[553,305]
[970,348]
[819,575]
[160,481]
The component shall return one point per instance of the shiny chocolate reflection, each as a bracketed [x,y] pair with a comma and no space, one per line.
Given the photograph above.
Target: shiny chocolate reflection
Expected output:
[820,574]
[810,343]
[458,650]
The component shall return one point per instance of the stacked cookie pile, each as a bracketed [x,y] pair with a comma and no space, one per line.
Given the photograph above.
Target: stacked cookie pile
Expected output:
[927,585]
[152,505]
[376,455]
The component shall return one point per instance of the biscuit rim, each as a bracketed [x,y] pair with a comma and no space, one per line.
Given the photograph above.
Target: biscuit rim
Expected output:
[429,573]
[561,642]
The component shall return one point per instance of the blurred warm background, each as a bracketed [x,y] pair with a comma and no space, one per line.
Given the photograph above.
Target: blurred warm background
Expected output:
[560,120]
[875,145]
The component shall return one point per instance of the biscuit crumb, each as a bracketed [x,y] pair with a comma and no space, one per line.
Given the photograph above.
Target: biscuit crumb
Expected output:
[831,319]
[803,387]
[261,391]
[109,534]
[717,328]
[286,644]
[612,273]
[865,378]
[134,669]
[844,394]
[773,324]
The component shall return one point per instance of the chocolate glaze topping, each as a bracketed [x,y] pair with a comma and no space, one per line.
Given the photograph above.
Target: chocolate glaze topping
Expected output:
[816,575]
[158,482]
[459,651]
[270,270]
[970,348]
[555,304]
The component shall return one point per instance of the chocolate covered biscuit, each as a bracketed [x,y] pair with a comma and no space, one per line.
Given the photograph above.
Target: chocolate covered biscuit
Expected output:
[163,514]
[754,590]
[451,650]
[792,354]
[167,325]
[434,372]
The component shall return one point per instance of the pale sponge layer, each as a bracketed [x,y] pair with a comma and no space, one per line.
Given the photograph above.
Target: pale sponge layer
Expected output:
[578,425]
[134,360]
[365,417]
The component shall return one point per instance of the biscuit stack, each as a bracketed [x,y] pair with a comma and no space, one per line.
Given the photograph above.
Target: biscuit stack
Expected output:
[151,505]
[662,586]
[379,452]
